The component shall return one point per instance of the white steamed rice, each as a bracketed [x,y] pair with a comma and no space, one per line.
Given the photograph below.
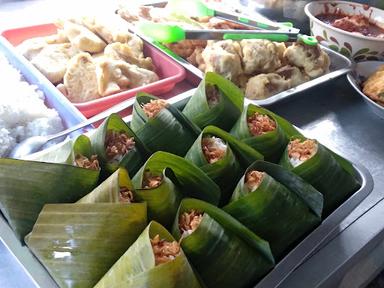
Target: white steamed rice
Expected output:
[22,110]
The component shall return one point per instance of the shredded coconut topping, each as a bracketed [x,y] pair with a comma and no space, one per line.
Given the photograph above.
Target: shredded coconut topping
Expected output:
[300,151]
[213,148]
[151,181]
[164,251]
[213,95]
[117,144]
[259,124]
[88,163]
[189,221]
[253,179]
[152,108]
[126,195]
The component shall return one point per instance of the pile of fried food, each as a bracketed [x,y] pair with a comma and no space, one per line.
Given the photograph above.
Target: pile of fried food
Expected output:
[91,57]
[373,87]
[262,68]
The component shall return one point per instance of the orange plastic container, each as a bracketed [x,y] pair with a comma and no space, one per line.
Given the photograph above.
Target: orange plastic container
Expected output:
[168,70]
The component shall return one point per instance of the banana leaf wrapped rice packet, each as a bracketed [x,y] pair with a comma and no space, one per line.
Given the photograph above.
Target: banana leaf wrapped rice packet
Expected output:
[327,172]
[161,126]
[275,204]
[223,251]
[260,129]
[154,260]
[217,101]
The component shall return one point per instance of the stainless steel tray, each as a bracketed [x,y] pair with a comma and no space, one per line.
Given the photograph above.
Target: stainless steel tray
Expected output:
[39,277]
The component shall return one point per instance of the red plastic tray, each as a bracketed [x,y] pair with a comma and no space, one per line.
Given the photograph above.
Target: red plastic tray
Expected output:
[168,70]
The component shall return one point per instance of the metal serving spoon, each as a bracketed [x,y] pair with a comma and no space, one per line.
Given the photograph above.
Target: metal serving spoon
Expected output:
[34,144]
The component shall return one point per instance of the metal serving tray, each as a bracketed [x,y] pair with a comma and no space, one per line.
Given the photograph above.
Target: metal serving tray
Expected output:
[39,277]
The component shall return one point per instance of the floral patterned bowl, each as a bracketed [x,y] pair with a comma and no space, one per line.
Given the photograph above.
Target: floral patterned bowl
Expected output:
[353,45]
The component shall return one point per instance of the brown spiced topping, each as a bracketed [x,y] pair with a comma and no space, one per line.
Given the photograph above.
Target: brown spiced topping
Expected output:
[189,221]
[118,144]
[152,108]
[164,251]
[302,150]
[151,181]
[213,148]
[253,179]
[88,163]
[126,195]
[259,124]
[213,95]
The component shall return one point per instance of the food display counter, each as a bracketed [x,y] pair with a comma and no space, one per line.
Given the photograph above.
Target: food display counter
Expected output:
[333,113]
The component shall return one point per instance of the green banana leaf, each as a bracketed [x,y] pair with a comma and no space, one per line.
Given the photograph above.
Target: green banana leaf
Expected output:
[61,153]
[226,172]
[281,210]
[136,268]
[222,115]
[109,190]
[221,249]
[132,161]
[324,172]
[25,186]
[78,243]
[168,131]
[270,144]
[181,179]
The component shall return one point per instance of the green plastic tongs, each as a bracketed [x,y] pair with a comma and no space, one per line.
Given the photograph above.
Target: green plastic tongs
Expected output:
[169,33]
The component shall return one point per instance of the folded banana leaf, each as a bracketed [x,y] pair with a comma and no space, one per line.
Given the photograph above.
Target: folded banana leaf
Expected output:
[322,169]
[217,101]
[79,243]
[25,186]
[116,145]
[215,152]
[165,179]
[116,188]
[263,131]
[138,266]
[161,126]
[221,249]
[275,204]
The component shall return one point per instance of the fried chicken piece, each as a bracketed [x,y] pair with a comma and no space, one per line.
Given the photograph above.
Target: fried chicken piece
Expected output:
[116,75]
[82,38]
[52,60]
[293,74]
[312,59]
[263,86]
[80,79]
[261,56]
[223,57]
[124,51]
[373,87]
[196,58]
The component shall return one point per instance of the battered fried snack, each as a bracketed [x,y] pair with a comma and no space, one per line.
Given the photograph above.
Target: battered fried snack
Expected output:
[293,74]
[373,87]
[263,86]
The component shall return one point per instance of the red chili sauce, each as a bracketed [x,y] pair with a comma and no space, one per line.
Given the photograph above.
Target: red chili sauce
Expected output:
[352,23]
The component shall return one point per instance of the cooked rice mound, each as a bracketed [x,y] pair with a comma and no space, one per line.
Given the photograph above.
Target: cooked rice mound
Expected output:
[164,251]
[213,95]
[300,151]
[151,181]
[126,195]
[253,179]
[189,221]
[259,124]
[117,144]
[88,163]
[213,148]
[152,108]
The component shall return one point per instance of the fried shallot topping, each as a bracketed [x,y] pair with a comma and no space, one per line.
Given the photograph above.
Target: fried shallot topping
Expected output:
[259,124]
[125,195]
[151,181]
[164,251]
[213,95]
[88,163]
[189,221]
[213,148]
[117,144]
[302,150]
[151,109]
[253,179]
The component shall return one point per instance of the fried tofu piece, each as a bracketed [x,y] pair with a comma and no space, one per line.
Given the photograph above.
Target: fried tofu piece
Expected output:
[52,60]
[82,38]
[261,56]
[124,51]
[373,87]
[116,75]
[312,59]
[263,86]
[80,79]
